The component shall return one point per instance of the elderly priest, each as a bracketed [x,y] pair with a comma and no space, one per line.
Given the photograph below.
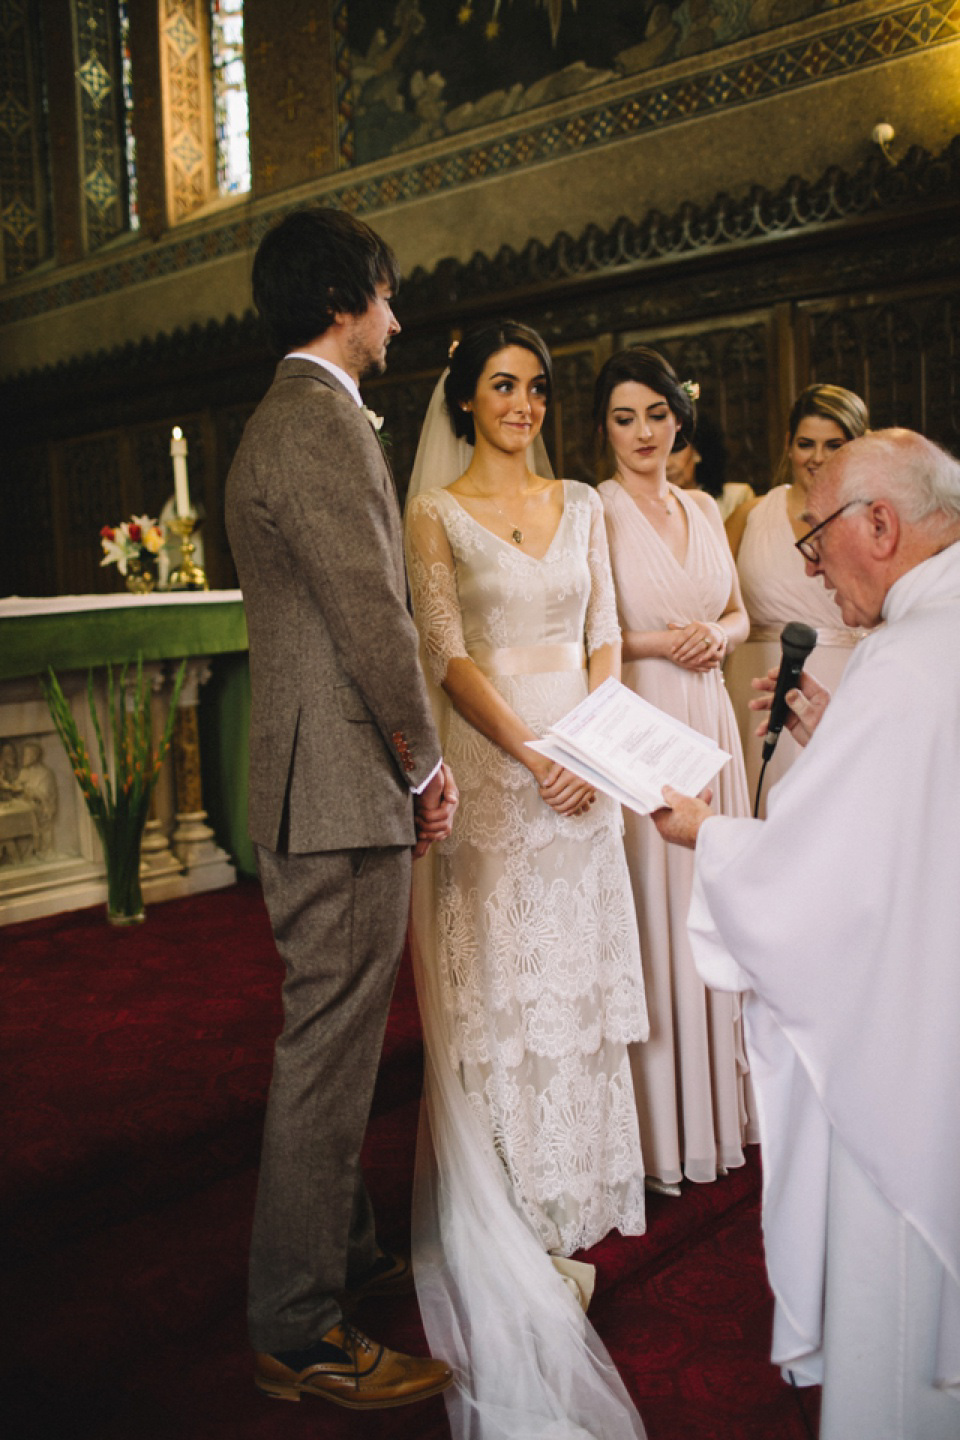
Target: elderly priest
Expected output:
[839,918]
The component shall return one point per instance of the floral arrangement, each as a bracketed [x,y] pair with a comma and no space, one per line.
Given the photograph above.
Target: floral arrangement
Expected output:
[119,805]
[130,542]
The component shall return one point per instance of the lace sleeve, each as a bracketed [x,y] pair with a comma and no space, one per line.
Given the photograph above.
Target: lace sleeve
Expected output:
[602,626]
[433,585]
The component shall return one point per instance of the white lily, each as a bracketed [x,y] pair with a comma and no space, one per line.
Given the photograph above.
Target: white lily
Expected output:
[144,521]
[375,420]
[118,552]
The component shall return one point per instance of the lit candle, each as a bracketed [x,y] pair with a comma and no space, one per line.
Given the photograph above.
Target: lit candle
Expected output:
[178,451]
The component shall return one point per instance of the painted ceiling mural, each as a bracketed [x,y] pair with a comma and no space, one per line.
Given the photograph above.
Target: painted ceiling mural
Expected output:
[423,70]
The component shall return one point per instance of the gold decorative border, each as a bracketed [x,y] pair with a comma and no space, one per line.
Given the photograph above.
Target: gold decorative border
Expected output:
[802,60]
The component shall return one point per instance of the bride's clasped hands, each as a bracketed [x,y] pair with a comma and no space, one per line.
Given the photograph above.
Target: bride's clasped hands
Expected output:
[562,791]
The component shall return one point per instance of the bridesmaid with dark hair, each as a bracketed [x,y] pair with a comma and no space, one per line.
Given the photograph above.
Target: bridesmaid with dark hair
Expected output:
[680,613]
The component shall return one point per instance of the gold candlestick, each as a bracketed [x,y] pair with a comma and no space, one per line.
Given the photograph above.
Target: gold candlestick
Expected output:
[187,575]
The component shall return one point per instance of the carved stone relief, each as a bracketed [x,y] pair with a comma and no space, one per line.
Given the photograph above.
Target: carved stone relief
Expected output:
[45,831]
[29,801]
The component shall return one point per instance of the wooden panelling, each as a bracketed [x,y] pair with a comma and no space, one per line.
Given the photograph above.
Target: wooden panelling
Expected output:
[89,442]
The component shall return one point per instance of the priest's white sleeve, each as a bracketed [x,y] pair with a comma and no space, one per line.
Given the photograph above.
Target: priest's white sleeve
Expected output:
[794,1131]
[717,967]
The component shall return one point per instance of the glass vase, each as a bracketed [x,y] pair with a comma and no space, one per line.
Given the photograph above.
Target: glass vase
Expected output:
[139,580]
[121,855]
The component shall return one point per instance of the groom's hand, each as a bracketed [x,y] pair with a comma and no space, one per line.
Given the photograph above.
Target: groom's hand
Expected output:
[434,809]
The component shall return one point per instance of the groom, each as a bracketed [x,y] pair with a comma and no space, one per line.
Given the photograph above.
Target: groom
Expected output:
[346,779]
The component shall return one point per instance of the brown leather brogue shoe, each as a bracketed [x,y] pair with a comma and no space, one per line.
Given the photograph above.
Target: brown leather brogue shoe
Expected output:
[358,1373]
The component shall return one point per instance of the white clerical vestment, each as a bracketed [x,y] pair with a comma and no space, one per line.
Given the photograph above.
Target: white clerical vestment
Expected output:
[839,917]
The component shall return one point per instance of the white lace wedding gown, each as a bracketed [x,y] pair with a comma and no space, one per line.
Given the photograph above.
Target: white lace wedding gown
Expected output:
[537,963]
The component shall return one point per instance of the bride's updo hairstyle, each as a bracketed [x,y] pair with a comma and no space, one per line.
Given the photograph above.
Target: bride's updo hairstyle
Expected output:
[645,367]
[472,353]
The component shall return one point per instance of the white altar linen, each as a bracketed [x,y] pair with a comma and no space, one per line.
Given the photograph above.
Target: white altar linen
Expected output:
[839,917]
[16,607]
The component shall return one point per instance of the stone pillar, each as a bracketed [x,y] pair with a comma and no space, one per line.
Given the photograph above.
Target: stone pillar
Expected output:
[192,839]
[156,858]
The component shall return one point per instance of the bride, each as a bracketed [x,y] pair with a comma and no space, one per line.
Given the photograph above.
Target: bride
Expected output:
[524,936]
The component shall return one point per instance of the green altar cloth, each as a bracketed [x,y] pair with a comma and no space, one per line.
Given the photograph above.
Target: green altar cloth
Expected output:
[80,631]
[75,639]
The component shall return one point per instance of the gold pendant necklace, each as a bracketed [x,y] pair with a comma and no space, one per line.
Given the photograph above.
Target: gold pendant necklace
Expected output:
[664,501]
[516,534]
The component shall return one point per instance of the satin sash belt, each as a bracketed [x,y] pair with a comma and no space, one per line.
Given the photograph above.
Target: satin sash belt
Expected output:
[529,659]
[845,639]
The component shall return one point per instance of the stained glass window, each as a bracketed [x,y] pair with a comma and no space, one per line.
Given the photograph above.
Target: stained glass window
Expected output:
[24,125]
[100,106]
[126,75]
[231,113]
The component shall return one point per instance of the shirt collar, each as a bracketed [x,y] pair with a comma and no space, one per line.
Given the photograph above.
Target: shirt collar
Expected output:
[347,381]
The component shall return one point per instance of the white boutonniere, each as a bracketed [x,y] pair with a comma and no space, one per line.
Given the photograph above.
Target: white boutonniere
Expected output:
[375,420]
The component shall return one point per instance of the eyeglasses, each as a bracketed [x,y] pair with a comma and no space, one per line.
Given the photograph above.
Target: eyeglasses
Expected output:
[810,549]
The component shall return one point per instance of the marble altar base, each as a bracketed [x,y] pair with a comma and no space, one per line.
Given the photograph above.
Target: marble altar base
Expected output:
[51,859]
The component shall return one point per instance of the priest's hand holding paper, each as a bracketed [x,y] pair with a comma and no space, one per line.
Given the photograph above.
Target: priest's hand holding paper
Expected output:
[616,742]
[807,704]
[680,818]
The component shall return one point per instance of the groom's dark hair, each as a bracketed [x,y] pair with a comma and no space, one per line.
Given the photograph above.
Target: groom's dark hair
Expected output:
[314,265]
[470,356]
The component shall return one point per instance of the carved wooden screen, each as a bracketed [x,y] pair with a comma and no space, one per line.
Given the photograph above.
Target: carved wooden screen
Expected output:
[900,351]
[734,360]
[568,429]
[88,492]
[30,559]
[402,400]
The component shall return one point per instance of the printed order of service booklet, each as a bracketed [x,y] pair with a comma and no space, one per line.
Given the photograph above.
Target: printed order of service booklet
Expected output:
[629,749]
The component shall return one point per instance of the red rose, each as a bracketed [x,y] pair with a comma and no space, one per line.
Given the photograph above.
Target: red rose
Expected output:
[108,533]
[134,532]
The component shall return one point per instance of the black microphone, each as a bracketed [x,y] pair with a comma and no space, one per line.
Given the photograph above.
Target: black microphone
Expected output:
[796,641]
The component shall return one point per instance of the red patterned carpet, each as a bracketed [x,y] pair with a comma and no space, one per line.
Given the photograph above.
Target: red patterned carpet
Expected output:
[135,1065]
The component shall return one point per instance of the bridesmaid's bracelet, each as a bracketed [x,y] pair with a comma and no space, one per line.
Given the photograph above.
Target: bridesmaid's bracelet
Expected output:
[720,633]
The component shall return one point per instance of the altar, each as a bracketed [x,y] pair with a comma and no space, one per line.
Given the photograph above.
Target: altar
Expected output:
[195,838]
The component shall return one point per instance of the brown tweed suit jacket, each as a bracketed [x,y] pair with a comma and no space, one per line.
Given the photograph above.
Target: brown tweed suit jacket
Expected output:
[341,723]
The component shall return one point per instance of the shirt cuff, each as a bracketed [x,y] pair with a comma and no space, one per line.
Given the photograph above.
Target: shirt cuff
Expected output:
[419,789]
